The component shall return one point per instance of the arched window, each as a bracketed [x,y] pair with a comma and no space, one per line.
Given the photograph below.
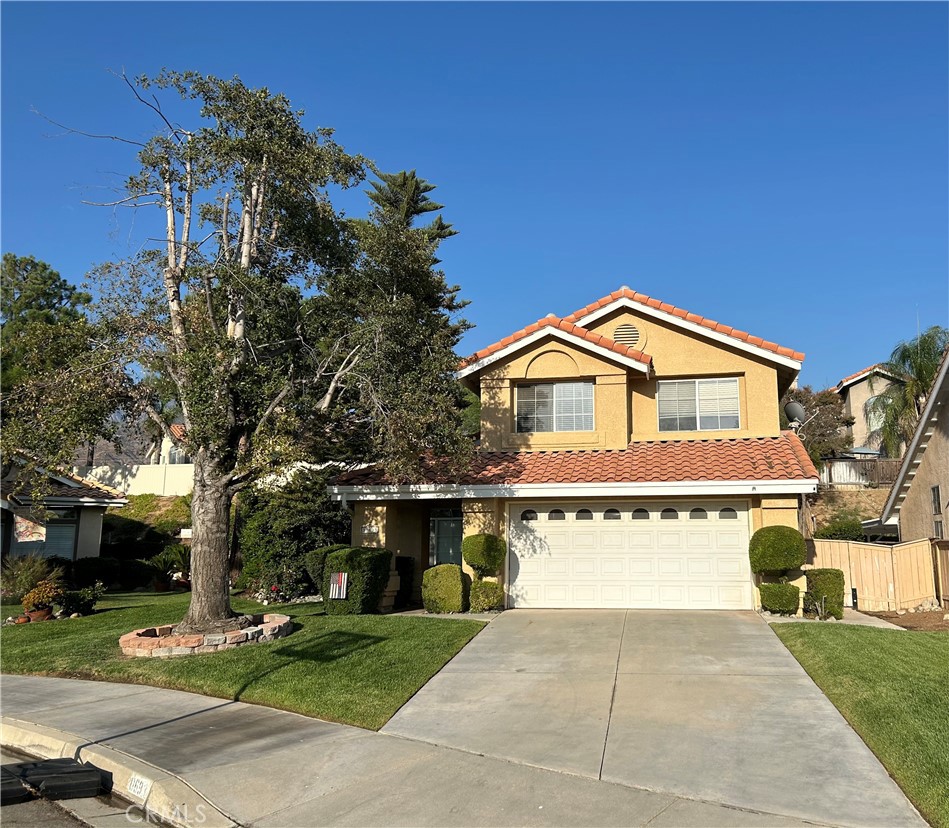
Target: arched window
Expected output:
[640,514]
[611,514]
[669,514]
[584,514]
[728,514]
[698,514]
[528,514]
[556,514]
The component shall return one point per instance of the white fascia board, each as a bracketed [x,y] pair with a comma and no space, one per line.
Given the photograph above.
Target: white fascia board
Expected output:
[694,327]
[696,488]
[550,330]
[78,501]
[939,397]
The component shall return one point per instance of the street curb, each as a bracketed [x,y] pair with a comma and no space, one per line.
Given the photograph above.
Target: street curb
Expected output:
[157,791]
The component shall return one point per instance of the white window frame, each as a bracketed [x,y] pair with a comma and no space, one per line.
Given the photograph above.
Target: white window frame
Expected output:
[697,403]
[555,415]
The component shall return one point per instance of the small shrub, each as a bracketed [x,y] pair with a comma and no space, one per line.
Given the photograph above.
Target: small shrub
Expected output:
[82,601]
[825,591]
[368,571]
[22,575]
[486,596]
[87,571]
[316,562]
[777,549]
[484,553]
[784,599]
[135,574]
[176,557]
[841,529]
[43,596]
[443,589]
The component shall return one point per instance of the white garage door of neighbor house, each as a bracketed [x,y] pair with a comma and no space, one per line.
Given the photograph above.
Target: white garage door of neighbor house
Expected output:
[688,555]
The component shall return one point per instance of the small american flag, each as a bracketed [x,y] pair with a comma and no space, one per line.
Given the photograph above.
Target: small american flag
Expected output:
[339,581]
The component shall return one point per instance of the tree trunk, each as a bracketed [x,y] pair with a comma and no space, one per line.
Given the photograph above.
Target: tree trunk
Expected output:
[210,552]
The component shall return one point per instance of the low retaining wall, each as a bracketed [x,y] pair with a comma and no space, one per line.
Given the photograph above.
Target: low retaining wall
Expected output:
[161,642]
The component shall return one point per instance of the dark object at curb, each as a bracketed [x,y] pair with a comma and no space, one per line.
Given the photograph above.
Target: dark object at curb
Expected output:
[60,778]
[12,790]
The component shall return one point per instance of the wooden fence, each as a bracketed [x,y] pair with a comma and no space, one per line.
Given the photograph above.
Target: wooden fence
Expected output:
[848,472]
[885,577]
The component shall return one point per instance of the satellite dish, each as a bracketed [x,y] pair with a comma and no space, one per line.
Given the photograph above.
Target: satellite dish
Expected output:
[795,412]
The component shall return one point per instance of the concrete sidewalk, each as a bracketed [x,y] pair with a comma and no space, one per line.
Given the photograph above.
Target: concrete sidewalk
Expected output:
[201,761]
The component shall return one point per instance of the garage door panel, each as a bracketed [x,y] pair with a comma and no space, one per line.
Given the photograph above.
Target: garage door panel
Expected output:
[630,562]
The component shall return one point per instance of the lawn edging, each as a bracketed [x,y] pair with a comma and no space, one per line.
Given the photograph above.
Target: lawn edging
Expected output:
[166,796]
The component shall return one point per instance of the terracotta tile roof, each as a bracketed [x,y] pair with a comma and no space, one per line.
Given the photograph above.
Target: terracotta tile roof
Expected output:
[672,461]
[60,491]
[178,430]
[552,321]
[868,370]
[642,299]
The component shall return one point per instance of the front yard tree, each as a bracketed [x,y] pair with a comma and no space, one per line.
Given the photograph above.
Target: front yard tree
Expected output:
[287,332]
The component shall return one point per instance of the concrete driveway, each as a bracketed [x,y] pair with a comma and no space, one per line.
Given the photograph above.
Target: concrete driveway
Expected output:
[704,705]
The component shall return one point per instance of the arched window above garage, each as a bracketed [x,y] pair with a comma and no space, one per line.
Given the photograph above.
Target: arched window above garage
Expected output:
[528,514]
[640,514]
[584,514]
[728,514]
[669,514]
[556,514]
[611,514]
[698,514]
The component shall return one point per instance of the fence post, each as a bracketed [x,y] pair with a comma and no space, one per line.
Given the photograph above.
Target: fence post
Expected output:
[896,589]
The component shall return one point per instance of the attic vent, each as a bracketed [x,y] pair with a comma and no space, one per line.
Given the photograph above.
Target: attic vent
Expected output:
[627,335]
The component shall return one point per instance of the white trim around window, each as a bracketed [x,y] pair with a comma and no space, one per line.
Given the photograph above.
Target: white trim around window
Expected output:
[698,404]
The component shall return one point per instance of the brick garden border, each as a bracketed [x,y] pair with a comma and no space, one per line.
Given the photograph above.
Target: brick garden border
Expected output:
[160,642]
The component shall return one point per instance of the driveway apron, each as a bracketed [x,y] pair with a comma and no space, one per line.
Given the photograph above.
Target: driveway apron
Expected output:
[704,705]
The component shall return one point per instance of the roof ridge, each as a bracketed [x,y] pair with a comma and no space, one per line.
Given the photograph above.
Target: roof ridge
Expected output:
[681,313]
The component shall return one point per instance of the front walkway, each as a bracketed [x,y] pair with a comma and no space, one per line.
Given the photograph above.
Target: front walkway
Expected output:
[222,763]
[705,705]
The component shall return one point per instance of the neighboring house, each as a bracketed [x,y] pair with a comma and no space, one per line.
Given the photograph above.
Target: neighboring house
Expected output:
[628,452]
[72,527]
[857,391]
[919,499]
[168,453]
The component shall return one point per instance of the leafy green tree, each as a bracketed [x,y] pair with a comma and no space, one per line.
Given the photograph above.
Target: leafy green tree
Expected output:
[33,296]
[825,432]
[896,409]
[286,332]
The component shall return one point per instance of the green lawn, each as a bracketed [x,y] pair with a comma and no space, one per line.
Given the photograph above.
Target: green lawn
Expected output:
[893,688]
[354,669]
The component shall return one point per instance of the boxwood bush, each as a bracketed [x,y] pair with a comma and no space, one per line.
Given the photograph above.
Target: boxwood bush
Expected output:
[368,571]
[781,598]
[777,549]
[842,529]
[316,562]
[486,596]
[484,553]
[444,589]
[825,589]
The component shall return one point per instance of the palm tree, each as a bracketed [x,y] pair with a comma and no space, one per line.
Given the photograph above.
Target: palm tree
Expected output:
[893,414]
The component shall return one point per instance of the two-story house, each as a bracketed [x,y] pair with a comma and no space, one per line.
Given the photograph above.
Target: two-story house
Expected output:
[628,451]
[857,392]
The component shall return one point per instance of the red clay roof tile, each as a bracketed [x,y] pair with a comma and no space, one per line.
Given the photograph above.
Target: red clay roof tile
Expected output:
[672,461]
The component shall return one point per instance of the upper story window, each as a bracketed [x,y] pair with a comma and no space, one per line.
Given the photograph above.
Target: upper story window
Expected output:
[557,406]
[698,405]
[936,499]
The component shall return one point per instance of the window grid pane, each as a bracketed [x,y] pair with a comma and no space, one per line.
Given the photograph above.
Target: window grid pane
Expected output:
[691,405]
[563,406]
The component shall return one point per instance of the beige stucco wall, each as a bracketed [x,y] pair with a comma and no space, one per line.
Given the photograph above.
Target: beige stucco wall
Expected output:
[916,512]
[625,407]
[855,398]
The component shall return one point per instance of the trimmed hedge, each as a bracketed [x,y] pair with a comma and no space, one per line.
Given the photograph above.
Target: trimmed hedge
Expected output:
[86,572]
[368,571]
[842,529]
[777,549]
[486,596]
[444,589]
[826,584]
[316,562]
[781,598]
[484,553]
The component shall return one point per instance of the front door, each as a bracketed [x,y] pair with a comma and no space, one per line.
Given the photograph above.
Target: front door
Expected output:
[445,536]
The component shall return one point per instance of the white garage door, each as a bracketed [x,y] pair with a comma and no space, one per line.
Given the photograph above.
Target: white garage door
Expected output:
[688,555]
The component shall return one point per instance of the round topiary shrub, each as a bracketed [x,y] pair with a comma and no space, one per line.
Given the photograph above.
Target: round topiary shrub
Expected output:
[487,596]
[777,549]
[484,553]
[825,593]
[780,598]
[443,589]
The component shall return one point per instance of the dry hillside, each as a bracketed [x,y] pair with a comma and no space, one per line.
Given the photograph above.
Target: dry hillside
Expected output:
[864,503]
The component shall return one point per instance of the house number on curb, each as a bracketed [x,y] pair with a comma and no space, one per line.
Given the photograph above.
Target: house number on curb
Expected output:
[139,786]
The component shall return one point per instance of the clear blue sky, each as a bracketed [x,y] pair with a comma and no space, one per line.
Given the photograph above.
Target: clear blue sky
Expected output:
[781,168]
